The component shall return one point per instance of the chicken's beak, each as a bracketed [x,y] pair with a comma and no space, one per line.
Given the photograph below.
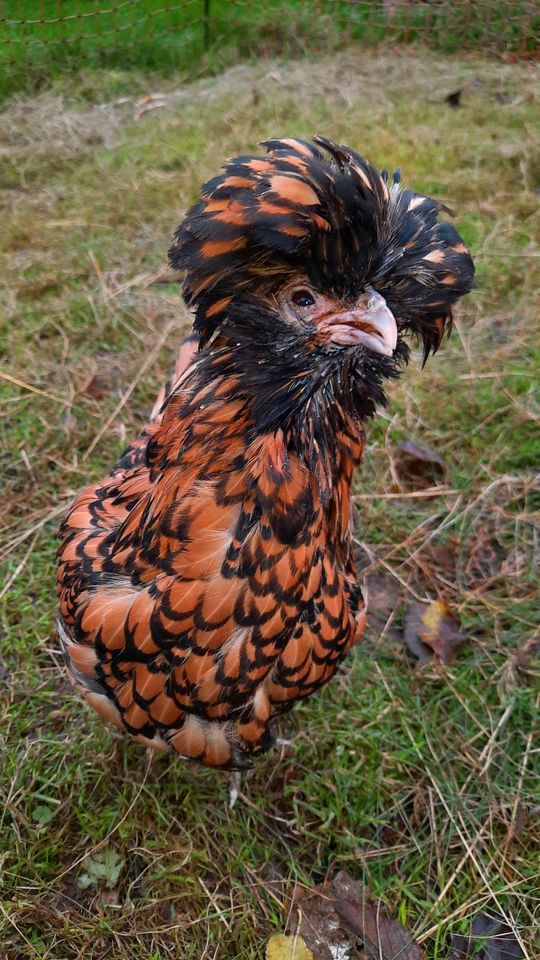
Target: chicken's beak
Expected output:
[370,323]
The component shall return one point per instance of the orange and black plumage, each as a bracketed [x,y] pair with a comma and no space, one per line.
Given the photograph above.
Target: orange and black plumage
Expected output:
[208,582]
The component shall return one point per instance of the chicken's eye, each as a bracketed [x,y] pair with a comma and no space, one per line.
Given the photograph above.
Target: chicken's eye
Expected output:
[302,298]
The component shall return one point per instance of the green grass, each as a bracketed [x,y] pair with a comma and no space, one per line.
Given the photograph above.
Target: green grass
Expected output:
[134,39]
[44,43]
[421,782]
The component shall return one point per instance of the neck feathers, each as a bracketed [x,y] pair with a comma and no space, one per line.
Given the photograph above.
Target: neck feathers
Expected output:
[228,406]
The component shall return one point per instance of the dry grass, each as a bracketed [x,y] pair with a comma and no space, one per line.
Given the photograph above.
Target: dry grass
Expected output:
[423,782]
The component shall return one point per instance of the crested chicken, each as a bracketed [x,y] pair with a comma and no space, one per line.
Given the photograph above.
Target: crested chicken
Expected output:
[208,583]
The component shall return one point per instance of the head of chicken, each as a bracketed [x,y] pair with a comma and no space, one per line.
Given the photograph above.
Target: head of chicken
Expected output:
[311,270]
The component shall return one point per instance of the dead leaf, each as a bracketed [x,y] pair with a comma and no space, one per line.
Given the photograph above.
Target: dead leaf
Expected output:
[280,947]
[418,465]
[383,593]
[103,375]
[382,938]
[94,388]
[431,629]
[412,630]
[315,919]
[384,598]
[443,556]
[500,942]
[454,99]
[340,920]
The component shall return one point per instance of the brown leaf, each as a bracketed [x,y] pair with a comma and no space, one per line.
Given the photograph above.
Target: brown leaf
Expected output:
[340,919]
[103,375]
[417,464]
[93,388]
[345,888]
[383,592]
[500,942]
[431,629]
[315,919]
[454,99]
[382,938]
[384,598]
[412,630]
[443,556]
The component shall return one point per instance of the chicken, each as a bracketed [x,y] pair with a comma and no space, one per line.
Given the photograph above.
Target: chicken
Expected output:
[208,583]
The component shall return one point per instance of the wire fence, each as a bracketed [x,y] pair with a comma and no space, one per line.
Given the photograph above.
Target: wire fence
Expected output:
[41,37]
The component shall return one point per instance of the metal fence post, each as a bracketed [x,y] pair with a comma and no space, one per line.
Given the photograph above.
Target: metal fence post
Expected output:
[206,24]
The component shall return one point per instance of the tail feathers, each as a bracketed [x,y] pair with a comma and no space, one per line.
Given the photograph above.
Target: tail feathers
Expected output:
[186,356]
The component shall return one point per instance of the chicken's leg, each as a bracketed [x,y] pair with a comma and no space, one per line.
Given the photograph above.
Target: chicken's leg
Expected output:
[234,787]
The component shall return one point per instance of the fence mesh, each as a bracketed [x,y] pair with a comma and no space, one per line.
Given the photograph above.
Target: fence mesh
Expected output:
[40,36]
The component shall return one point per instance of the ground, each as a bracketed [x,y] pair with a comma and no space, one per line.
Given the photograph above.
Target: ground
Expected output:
[420,780]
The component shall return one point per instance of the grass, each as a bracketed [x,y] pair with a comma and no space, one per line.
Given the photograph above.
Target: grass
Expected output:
[423,782]
[45,44]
